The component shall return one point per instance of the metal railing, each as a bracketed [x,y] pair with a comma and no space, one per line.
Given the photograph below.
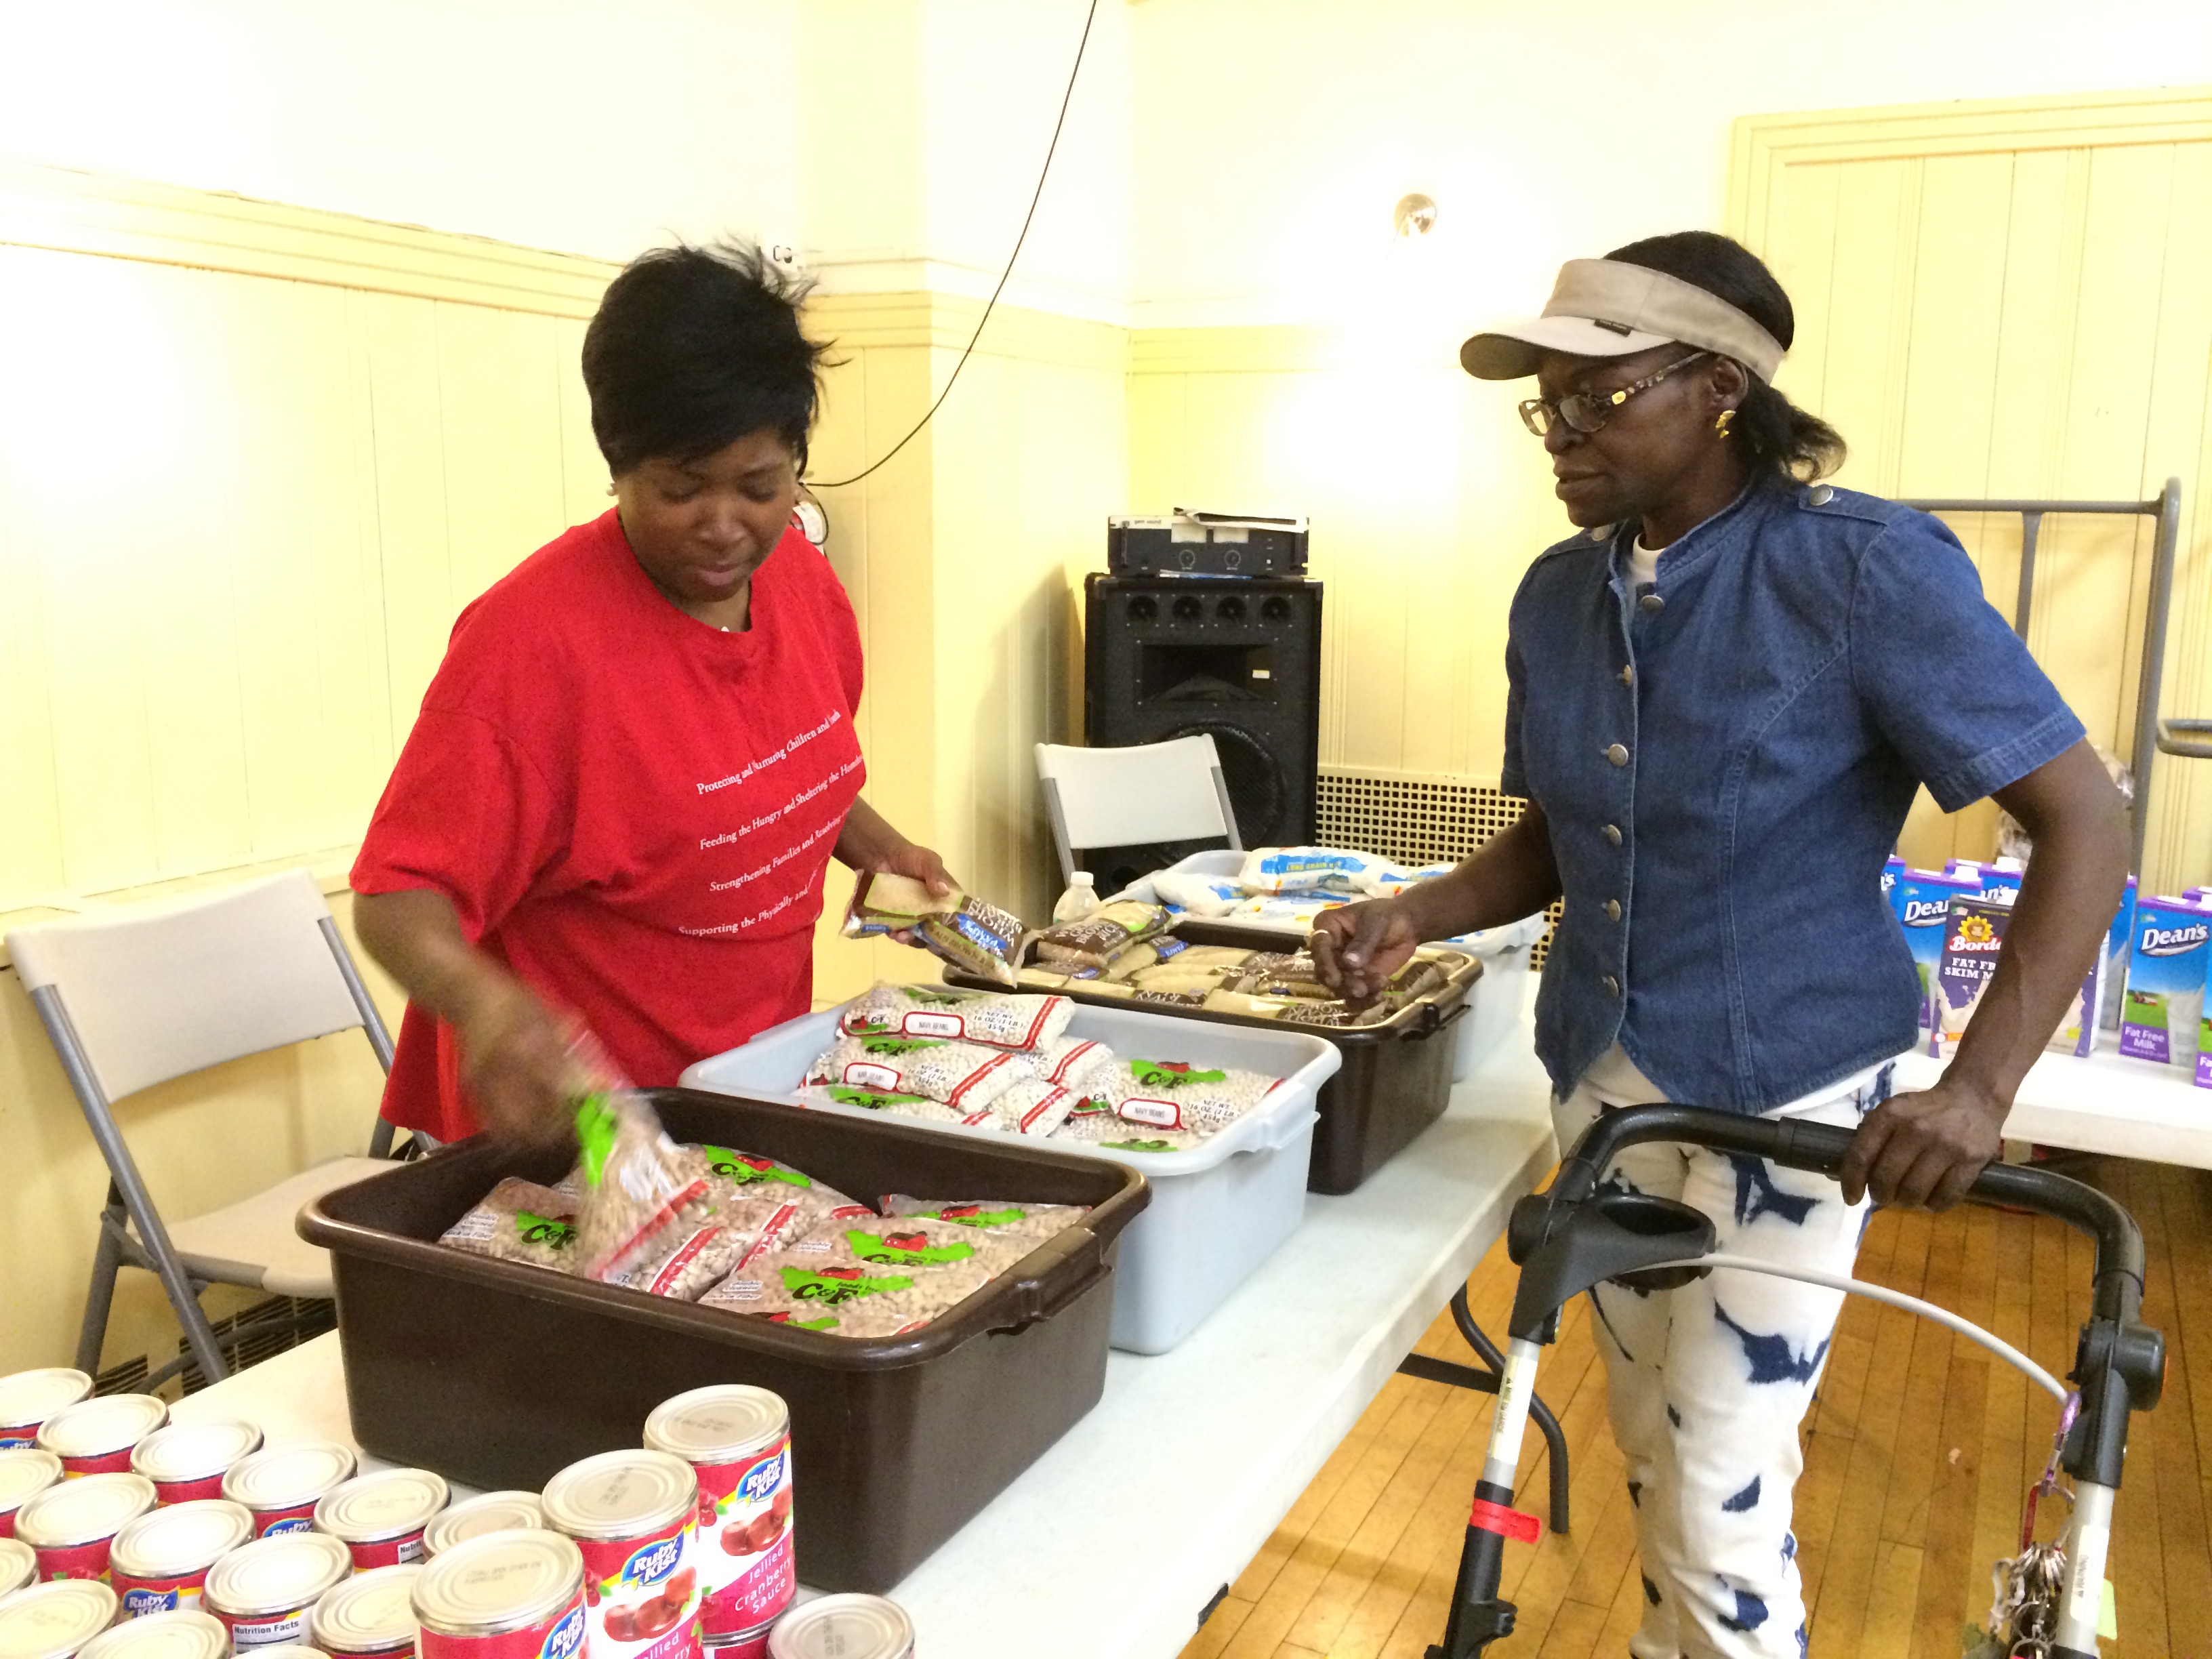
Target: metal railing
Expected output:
[2151,735]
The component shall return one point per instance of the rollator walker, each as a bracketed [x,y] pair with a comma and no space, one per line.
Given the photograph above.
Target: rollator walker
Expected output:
[1572,1237]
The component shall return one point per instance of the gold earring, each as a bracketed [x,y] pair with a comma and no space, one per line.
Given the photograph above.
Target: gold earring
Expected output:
[1721,426]
[610,490]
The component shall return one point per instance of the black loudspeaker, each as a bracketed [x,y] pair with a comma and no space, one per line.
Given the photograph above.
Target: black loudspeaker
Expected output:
[1239,660]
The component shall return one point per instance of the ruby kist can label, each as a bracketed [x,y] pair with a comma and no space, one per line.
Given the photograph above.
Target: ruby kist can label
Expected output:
[271,1523]
[387,1551]
[141,1596]
[561,1636]
[747,1572]
[642,1593]
[87,1560]
[166,1492]
[113,1462]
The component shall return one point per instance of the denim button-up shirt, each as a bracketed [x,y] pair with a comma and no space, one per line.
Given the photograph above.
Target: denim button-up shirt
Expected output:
[1726,757]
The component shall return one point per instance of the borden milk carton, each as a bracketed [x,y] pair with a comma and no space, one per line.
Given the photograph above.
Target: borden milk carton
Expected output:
[1922,900]
[2163,1011]
[1973,933]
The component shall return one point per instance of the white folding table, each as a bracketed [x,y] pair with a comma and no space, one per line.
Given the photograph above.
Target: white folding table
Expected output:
[1111,1545]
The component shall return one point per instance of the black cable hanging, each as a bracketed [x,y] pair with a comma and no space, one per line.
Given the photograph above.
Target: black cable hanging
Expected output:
[1043,173]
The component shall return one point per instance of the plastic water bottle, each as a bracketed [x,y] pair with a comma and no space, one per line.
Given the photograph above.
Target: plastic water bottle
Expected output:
[1080,899]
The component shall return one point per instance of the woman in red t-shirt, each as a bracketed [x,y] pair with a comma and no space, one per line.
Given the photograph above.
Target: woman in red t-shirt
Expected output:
[633,764]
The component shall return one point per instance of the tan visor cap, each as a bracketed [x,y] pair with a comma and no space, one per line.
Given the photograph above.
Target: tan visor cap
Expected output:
[1604,308]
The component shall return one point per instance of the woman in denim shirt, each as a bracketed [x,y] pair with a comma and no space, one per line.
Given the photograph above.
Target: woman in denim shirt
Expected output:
[1723,694]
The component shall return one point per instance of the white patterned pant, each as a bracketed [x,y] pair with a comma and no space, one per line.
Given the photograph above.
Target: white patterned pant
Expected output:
[1706,1385]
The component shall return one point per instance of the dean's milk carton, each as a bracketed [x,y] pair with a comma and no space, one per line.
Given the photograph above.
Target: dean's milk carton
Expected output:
[2003,874]
[2162,1013]
[1921,899]
[1893,867]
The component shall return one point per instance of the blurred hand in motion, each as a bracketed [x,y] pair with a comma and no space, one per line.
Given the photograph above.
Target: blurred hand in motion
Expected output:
[1358,948]
[519,1063]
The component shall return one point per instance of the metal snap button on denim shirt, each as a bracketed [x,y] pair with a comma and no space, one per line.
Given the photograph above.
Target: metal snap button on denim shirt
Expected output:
[1810,664]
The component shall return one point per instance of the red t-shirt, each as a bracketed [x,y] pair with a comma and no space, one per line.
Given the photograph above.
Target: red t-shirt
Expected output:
[631,809]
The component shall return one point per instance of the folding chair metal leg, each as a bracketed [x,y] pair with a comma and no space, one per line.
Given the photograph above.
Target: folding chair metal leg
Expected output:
[99,1295]
[372,1022]
[128,1184]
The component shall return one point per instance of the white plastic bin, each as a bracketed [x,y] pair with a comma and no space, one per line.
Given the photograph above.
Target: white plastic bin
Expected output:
[1495,998]
[1217,1212]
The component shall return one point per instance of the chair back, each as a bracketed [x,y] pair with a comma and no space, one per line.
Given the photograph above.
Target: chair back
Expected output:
[1145,792]
[153,991]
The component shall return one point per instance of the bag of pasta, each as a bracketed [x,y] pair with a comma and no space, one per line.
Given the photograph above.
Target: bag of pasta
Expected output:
[1093,941]
[956,926]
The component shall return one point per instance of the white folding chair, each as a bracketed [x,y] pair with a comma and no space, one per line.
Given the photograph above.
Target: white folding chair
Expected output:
[150,991]
[1147,791]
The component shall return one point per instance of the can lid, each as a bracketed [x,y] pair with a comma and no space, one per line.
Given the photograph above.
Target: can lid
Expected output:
[185,1633]
[388,1504]
[106,1422]
[280,1573]
[181,1539]
[283,1477]
[494,1512]
[34,1396]
[288,1651]
[370,1611]
[17,1564]
[26,1471]
[844,1628]
[726,1420]
[500,1581]
[195,1450]
[620,1493]
[83,1511]
[52,1621]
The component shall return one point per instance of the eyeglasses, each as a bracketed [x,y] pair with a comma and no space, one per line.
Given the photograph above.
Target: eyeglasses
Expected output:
[1588,411]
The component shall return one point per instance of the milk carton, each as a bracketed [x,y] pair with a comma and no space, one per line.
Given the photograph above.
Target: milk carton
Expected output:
[1972,934]
[2204,1051]
[2162,1013]
[2002,875]
[1922,900]
[2077,1032]
[1892,868]
[2117,938]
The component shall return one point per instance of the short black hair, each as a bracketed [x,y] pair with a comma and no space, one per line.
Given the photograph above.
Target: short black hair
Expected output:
[1783,439]
[693,347]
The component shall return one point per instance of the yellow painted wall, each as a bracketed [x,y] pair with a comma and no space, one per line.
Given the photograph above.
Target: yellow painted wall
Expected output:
[2013,299]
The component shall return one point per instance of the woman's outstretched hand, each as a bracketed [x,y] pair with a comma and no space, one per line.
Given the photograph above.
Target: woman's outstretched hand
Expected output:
[1358,948]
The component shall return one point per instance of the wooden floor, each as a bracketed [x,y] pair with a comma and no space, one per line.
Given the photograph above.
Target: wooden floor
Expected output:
[1917,1454]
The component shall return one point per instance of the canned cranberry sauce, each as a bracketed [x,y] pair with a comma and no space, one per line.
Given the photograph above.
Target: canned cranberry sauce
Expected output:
[182,1635]
[282,1484]
[161,1559]
[369,1616]
[493,1511]
[738,1442]
[18,1566]
[55,1618]
[516,1594]
[844,1628]
[187,1462]
[633,1516]
[381,1516]
[25,1472]
[27,1399]
[97,1435]
[264,1591]
[71,1527]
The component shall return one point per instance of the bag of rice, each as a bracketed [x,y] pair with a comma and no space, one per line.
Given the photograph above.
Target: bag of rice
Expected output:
[737,1180]
[1026,1224]
[874,1276]
[957,1074]
[1071,1060]
[519,1221]
[1093,941]
[1172,1094]
[640,1189]
[1201,896]
[1305,870]
[994,1020]
[961,929]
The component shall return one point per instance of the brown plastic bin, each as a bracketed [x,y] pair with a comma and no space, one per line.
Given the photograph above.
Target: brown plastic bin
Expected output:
[1396,1079]
[498,1375]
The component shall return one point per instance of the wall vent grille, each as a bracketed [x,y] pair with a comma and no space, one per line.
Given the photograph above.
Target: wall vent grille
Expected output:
[1412,819]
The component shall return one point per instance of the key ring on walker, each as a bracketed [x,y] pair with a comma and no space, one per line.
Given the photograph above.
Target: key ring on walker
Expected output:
[1575,1235]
